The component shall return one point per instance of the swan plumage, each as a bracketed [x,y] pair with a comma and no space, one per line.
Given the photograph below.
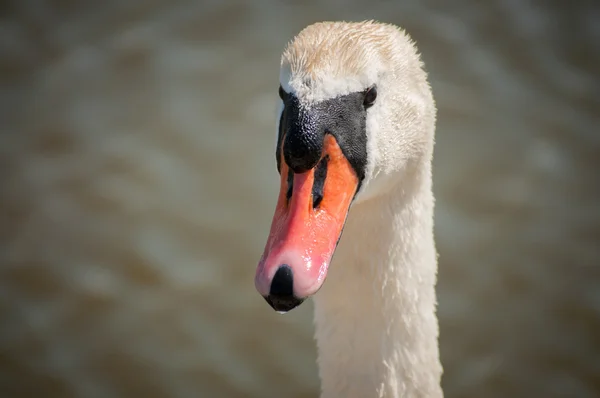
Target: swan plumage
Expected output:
[374,290]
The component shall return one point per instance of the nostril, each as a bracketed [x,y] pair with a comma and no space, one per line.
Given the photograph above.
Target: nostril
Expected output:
[290,182]
[281,295]
[319,181]
[283,281]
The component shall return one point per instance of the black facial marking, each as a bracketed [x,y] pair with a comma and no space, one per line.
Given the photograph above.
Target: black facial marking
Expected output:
[319,183]
[302,130]
[290,182]
[282,94]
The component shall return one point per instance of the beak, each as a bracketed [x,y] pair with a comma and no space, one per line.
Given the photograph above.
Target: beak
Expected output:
[311,211]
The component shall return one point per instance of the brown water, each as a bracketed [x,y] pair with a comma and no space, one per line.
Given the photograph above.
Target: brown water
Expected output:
[138,182]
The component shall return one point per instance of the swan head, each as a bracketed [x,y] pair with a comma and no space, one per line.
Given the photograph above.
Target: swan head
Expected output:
[356,116]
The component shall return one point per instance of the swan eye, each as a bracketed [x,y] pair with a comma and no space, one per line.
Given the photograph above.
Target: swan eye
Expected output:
[282,94]
[370,96]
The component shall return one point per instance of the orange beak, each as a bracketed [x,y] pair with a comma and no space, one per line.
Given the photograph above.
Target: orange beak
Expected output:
[309,218]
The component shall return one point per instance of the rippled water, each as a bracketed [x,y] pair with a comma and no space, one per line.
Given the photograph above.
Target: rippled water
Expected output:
[138,182]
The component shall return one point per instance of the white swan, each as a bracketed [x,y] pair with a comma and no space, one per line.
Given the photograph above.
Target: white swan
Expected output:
[356,129]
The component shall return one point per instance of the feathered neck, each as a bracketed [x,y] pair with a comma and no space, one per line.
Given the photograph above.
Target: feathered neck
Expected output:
[376,327]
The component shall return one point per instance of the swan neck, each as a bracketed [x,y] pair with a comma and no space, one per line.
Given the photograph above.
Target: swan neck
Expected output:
[376,327]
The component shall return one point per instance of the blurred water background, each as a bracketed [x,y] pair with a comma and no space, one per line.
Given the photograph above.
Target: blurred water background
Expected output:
[138,182]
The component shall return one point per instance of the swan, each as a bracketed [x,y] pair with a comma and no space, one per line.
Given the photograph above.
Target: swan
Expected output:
[355,138]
